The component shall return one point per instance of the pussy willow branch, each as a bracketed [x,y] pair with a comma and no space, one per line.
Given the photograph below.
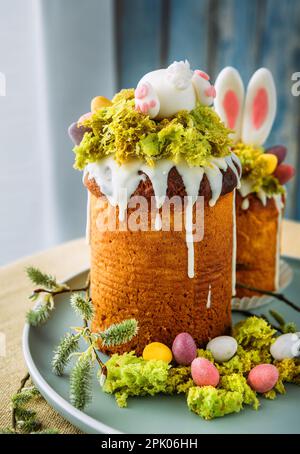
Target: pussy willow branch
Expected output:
[22,384]
[278,296]
[58,292]
[85,323]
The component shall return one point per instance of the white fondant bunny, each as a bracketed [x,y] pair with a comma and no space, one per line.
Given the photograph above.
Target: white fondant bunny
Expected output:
[252,117]
[163,93]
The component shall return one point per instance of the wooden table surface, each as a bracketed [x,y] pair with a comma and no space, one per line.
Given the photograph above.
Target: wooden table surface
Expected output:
[61,261]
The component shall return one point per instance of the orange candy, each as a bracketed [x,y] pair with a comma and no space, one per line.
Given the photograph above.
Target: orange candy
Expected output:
[99,102]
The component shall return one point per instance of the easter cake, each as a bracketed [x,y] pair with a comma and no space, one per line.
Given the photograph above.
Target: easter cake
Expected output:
[261,196]
[161,180]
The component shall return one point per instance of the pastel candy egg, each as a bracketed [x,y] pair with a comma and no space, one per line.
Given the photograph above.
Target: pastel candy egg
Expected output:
[279,151]
[204,372]
[286,346]
[269,161]
[263,378]
[222,348]
[184,349]
[76,133]
[84,117]
[284,173]
[158,351]
[99,102]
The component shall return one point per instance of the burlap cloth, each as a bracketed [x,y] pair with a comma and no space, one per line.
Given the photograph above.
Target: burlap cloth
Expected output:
[62,261]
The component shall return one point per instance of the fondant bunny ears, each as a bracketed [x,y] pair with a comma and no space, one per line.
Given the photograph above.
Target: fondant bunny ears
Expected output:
[250,117]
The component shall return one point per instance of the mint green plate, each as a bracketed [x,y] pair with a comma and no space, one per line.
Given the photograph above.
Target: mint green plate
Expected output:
[159,414]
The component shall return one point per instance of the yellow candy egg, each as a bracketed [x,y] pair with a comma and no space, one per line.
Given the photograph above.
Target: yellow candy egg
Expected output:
[269,161]
[157,350]
[99,102]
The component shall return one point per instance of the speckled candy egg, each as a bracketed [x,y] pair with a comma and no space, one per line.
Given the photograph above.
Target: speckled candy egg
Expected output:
[263,378]
[204,372]
[157,350]
[222,348]
[184,349]
[286,346]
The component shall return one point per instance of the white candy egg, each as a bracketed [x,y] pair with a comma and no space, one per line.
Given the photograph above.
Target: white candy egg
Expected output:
[286,346]
[222,348]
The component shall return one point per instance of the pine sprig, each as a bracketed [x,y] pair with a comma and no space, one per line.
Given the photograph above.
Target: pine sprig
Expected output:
[67,346]
[37,277]
[119,333]
[39,315]
[80,382]
[82,306]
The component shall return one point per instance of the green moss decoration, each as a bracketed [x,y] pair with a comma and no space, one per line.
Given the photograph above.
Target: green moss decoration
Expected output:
[129,375]
[254,333]
[255,171]
[121,131]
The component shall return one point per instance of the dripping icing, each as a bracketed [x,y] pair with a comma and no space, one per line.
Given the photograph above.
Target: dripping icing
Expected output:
[208,304]
[279,206]
[234,245]
[158,222]
[118,183]
[245,204]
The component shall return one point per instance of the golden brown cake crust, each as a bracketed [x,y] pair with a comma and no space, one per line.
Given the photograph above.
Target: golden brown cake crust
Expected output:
[144,275]
[256,244]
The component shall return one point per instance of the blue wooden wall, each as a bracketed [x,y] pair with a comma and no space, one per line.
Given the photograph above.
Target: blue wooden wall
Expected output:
[212,34]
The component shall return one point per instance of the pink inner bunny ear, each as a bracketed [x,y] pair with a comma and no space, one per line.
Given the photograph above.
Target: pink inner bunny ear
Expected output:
[231,106]
[260,108]
[229,101]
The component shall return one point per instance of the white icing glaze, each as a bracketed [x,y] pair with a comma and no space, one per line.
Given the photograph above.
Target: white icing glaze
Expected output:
[158,222]
[231,160]
[234,245]
[262,196]
[208,304]
[245,187]
[118,183]
[215,179]
[245,203]
[192,177]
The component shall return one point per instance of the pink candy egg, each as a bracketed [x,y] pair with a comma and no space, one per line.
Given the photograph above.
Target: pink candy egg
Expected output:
[263,378]
[184,349]
[204,373]
[85,117]
[284,173]
[279,151]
